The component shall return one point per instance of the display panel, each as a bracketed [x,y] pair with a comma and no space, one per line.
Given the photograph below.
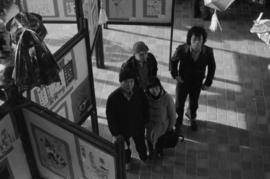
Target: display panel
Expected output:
[70,98]
[62,152]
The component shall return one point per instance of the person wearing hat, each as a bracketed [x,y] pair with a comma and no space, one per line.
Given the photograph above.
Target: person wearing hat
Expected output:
[127,114]
[162,115]
[188,68]
[142,63]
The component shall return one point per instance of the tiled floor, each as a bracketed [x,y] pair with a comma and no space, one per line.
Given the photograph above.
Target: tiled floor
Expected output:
[233,140]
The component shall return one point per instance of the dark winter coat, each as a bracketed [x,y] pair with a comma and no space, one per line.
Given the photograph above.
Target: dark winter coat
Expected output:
[190,70]
[127,117]
[151,63]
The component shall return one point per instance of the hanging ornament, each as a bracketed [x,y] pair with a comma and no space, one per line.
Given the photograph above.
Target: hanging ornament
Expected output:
[220,5]
[215,23]
[102,14]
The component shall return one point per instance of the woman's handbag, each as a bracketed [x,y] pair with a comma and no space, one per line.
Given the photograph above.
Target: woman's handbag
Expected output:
[169,139]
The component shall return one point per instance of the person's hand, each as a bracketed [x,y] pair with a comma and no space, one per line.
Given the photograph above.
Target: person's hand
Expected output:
[204,87]
[179,79]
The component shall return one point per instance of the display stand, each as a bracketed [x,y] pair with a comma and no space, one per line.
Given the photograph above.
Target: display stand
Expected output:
[37,143]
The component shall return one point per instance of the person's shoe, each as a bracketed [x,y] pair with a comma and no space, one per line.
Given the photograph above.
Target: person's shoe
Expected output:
[194,126]
[187,114]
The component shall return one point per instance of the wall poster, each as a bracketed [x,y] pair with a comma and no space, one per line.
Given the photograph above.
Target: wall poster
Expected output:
[95,163]
[54,153]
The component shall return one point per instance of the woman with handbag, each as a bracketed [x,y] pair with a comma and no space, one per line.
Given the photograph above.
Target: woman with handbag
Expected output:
[162,116]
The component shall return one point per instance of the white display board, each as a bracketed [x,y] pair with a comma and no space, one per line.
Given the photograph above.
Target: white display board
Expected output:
[146,11]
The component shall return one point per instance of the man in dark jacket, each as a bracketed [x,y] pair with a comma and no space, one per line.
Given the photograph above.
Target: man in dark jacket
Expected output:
[127,113]
[188,66]
[143,64]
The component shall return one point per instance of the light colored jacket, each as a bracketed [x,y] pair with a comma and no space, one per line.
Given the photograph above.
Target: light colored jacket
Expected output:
[162,116]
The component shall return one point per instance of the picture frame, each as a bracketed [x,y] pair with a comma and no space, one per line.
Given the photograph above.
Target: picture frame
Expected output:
[53,152]
[94,162]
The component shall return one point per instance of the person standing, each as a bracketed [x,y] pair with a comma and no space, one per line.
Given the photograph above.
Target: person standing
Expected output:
[162,116]
[143,64]
[127,114]
[188,67]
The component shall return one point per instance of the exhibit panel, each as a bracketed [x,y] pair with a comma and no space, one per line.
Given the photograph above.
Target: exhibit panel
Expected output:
[70,98]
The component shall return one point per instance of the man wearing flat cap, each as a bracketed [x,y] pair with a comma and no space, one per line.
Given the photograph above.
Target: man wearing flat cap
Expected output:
[127,114]
[143,64]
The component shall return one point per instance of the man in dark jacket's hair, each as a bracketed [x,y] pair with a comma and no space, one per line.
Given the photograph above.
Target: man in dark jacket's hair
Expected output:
[143,64]
[188,66]
[127,113]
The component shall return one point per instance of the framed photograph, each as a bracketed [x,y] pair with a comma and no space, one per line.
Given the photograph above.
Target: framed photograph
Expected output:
[5,171]
[46,8]
[69,8]
[153,8]
[7,136]
[94,162]
[53,153]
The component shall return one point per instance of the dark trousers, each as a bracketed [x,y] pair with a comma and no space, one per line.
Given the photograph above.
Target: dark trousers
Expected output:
[182,91]
[140,145]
